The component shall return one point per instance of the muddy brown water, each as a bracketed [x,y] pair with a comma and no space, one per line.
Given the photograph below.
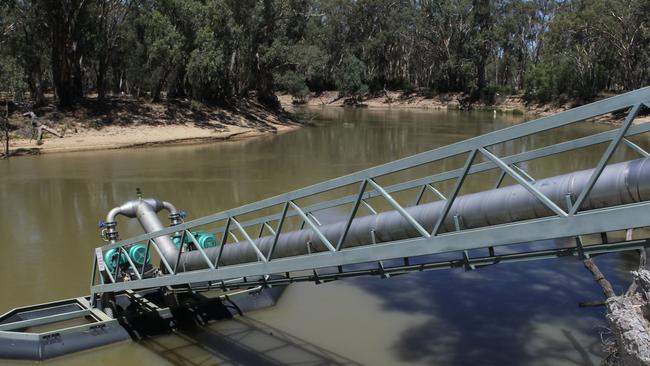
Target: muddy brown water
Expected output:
[516,314]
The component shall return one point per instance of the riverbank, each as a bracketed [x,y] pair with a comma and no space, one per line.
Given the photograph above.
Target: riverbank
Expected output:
[126,123]
[448,101]
[510,104]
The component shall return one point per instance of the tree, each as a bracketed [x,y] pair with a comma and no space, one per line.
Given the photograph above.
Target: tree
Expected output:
[27,43]
[158,52]
[111,16]
[349,77]
[66,21]
[13,88]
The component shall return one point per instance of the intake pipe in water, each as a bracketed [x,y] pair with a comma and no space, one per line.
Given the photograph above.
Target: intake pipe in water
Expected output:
[622,183]
[145,211]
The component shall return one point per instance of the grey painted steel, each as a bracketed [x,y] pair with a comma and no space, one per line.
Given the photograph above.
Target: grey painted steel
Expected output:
[477,262]
[593,221]
[605,158]
[619,184]
[145,210]
[18,343]
[307,249]
[525,129]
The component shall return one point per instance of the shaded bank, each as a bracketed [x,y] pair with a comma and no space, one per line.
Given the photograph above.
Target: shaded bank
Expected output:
[515,105]
[124,122]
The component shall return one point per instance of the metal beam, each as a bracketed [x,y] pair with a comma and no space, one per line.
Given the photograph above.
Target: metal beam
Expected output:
[543,124]
[605,158]
[592,221]
[521,180]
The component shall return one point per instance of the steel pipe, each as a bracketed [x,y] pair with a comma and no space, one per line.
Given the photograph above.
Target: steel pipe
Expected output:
[622,183]
[145,210]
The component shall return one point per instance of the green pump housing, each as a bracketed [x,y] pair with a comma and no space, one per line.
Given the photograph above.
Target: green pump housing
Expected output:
[137,251]
[136,254]
[205,239]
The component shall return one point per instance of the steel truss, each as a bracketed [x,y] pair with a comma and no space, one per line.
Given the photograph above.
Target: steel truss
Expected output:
[267,270]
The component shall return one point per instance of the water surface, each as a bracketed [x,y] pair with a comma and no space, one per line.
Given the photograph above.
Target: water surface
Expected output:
[517,314]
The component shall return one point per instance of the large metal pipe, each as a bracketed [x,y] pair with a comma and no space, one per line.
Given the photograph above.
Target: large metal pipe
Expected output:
[145,210]
[618,184]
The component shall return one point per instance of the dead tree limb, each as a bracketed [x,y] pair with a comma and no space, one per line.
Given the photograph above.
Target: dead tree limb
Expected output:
[628,314]
[628,321]
[40,128]
[599,278]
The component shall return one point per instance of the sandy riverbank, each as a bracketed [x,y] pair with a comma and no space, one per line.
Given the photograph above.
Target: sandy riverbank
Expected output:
[114,137]
[125,123]
[397,99]
[451,101]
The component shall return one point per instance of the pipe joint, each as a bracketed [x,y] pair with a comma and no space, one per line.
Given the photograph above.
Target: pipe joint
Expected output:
[175,218]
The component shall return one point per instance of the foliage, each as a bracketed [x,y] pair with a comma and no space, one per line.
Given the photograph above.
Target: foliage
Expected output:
[11,78]
[219,50]
[294,84]
[349,77]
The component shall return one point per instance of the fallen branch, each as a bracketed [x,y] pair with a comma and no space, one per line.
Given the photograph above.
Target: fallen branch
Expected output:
[629,323]
[40,128]
[599,278]
[627,314]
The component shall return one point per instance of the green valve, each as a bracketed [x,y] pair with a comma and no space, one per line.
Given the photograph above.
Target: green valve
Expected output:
[206,240]
[177,240]
[111,256]
[137,252]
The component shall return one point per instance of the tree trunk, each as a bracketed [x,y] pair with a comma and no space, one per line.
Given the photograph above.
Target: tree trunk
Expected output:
[6,125]
[628,320]
[35,80]
[64,18]
[101,78]
[155,92]
[628,315]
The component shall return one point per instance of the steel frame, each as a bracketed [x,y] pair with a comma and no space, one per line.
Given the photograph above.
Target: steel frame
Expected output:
[14,330]
[572,222]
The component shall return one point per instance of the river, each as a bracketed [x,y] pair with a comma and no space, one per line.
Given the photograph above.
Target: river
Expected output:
[515,314]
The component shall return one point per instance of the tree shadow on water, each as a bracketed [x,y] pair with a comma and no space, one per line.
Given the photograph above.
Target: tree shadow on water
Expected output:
[241,341]
[516,314]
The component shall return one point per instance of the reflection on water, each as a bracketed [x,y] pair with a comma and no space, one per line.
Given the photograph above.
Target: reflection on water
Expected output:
[512,314]
[242,341]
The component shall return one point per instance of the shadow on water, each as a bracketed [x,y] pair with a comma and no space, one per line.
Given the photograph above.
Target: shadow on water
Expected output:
[241,341]
[514,314]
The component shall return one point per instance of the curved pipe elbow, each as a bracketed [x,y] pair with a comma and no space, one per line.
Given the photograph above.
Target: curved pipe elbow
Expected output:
[169,207]
[128,209]
[112,214]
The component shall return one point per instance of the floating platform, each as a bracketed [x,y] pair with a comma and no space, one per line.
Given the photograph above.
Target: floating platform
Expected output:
[44,331]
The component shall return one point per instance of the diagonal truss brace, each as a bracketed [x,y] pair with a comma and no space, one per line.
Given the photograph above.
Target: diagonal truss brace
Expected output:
[525,183]
[605,158]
